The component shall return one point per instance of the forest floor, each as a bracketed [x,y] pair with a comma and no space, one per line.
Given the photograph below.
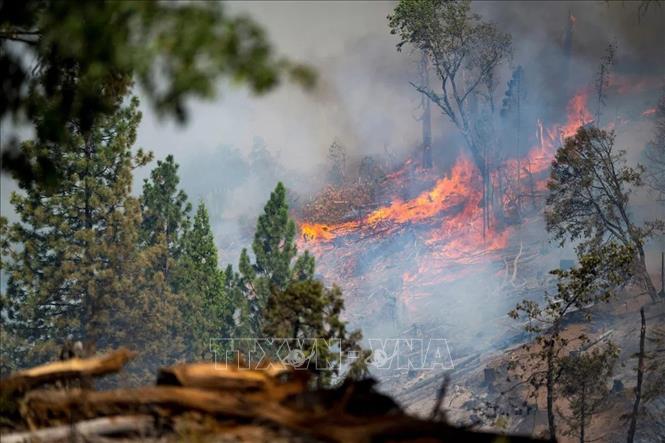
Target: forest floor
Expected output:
[483,392]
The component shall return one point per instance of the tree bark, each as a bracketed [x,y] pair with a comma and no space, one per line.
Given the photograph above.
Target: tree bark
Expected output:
[550,390]
[426,118]
[74,368]
[640,375]
[646,279]
[583,413]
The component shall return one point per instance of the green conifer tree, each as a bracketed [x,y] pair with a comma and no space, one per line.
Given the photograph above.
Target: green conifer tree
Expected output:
[165,212]
[277,296]
[202,282]
[74,270]
[239,325]
[307,310]
[274,251]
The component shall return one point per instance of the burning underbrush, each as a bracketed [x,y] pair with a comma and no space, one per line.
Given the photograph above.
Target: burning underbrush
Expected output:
[412,245]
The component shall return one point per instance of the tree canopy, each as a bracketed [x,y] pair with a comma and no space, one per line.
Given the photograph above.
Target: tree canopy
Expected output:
[588,201]
[75,61]
[75,269]
[464,51]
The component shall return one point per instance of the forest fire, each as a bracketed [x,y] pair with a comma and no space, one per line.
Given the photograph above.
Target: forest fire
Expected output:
[332,221]
[447,218]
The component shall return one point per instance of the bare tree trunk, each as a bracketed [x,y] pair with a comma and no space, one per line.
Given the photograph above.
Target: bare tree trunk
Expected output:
[640,375]
[662,275]
[648,284]
[583,412]
[550,390]
[88,430]
[426,118]
[486,208]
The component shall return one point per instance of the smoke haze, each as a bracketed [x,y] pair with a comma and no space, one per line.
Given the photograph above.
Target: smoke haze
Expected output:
[234,149]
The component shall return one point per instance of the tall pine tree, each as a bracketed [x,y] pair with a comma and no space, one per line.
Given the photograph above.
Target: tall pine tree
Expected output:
[165,212]
[75,271]
[165,221]
[202,282]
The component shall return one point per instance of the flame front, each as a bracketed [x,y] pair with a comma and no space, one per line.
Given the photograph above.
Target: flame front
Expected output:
[447,218]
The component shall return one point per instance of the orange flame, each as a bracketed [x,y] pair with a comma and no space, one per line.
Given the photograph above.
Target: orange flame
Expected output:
[450,213]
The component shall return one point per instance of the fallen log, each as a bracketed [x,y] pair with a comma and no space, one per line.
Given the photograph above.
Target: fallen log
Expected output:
[43,407]
[348,418]
[136,425]
[202,400]
[275,380]
[74,368]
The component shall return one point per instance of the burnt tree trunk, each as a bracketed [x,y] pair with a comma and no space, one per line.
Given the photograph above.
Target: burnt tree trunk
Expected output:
[426,118]
[640,376]
[648,284]
[550,389]
[583,412]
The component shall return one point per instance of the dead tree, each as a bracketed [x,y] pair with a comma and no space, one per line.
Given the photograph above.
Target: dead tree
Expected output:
[567,52]
[511,112]
[603,79]
[662,275]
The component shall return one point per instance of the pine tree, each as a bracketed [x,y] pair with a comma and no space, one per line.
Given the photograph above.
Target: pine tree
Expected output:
[240,324]
[165,212]
[274,251]
[308,310]
[512,108]
[11,344]
[282,299]
[202,283]
[75,271]
[89,55]
[337,160]
[165,222]
[274,246]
